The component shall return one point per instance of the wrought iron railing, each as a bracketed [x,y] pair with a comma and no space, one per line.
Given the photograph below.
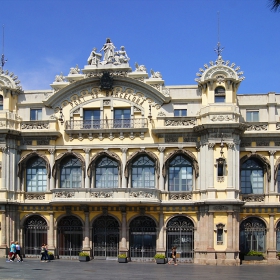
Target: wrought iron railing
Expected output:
[106,124]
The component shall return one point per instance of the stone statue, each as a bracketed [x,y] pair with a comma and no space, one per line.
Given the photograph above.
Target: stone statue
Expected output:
[59,78]
[140,68]
[155,74]
[109,52]
[75,70]
[94,57]
[122,55]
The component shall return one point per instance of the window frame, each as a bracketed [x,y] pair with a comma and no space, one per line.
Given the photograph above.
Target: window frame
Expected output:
[252,115]
[37,114]
[220,97]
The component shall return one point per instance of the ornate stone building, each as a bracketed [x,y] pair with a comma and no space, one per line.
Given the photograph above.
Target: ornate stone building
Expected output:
[111,160]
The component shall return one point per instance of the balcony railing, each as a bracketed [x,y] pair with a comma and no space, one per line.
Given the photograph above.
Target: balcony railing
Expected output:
[106,124]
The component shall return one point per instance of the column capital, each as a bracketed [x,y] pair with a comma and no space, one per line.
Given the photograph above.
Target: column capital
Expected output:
[230,145]
[123,150]
[51,151]
[271,153]
[4,149]
[161,149]
[211,146]
[87,150]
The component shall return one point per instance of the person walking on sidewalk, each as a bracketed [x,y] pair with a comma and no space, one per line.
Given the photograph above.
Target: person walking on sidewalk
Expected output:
[43,253]
[173,256]
[19,257]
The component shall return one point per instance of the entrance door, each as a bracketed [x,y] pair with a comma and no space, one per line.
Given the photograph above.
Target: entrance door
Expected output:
[105,238]
[142,239]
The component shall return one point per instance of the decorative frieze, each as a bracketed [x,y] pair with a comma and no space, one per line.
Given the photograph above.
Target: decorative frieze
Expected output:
[221,118]
[141,194]
[220,208]
[170,122]
[257,127]
[64,194]
[35,125]
[34,196]
[180,196]
[253,198]
[101,194]
[220,179]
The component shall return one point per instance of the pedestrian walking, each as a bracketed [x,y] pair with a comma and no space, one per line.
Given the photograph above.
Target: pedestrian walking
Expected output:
[47,257]
[12,253]
[18,247]
[173,256]
[43,253]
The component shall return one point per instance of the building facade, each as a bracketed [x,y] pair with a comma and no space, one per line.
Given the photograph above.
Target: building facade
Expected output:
[111,160]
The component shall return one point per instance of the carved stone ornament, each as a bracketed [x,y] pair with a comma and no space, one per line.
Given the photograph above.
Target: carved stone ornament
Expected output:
[191,122]
[161,114]
[221,118]
[256,127]
[141,194]
[106,81]
[101,194]
[34,196]
[64,194]
[220,208]
[253,198]
[180,196]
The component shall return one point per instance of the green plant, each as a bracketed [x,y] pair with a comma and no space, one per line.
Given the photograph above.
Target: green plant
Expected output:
[83,254]
[254,253]
[159,256]
[50,253]
[122,256]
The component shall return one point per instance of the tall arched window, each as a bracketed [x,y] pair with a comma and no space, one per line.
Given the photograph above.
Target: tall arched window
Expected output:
[252,235]
[36,175]
[252,177]
[180,174]
[106,173]
[71,173]
[143,173]
[220,95]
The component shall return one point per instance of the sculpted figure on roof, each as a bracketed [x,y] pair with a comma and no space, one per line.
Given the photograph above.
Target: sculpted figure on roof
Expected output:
[94,57]
[109,51]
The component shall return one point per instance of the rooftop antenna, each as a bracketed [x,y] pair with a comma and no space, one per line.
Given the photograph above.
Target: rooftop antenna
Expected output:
[218,50]
[3,60]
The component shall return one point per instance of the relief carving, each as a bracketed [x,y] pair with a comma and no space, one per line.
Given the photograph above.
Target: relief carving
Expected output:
[33,196]
[101,194]
[180,196]
[64,194]
[141,194]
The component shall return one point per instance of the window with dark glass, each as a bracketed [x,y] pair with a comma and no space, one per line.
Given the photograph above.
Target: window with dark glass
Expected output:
[92,118]
[252,116]
[36,175]
[106,173]
[35,114]
[71,173]
[180,174]
[180,112]
[278,180]
[220,95]
[143,173]
[252,177]
[122,118]
[1,102]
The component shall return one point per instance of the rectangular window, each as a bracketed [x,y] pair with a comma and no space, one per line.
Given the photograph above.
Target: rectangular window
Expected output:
[122,118]
[252,116]
[35,114]
[180,112]
[219,236]
[91,119]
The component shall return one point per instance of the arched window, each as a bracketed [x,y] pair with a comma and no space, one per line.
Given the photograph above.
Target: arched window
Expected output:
[278,180]
[252,177]
[1,102]
[180,174]
[36,175]
[143,173]
[71,173]
[220,95]
[252,235]
[106,173]
[278,237]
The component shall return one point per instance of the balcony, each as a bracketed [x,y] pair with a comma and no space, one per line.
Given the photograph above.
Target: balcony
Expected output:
[110,128]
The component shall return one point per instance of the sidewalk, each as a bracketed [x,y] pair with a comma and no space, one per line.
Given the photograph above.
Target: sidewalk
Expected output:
[33,269]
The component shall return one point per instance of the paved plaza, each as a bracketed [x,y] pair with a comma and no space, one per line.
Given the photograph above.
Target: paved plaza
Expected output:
[32,269]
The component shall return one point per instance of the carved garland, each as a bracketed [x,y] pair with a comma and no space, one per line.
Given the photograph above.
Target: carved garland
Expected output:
[138,153]
[111,155]
[62,156]
[24,159]
[188,154]
[265,162]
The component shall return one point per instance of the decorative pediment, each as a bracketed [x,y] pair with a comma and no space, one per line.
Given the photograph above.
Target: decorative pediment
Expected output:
[9,82]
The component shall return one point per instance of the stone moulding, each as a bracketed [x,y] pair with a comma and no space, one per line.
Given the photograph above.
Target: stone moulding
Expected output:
[180,196]
[34,196]
[64,194]
[253,198]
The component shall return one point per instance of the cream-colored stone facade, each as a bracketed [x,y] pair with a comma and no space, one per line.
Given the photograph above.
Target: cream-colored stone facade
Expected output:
[114,153]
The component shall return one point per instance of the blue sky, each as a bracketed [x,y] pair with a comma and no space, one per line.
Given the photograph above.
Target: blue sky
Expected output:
[175,37]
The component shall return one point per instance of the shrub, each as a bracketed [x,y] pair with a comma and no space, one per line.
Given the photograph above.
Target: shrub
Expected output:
[83,254]
[159,256]
[122,256]
[254,253]
[50,253]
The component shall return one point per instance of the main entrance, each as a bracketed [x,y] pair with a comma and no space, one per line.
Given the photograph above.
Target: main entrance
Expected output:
[106,238]
[142,239]
[180,235]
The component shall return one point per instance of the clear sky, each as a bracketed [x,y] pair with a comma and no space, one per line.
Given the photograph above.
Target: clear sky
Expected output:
[175,37]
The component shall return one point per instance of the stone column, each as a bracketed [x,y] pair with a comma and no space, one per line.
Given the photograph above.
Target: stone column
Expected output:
[123,230]
[161,161]
[86,244]
[271,251]
[3,230]
[229,231]
[271,160]
[197,181]
[230,165]
[124,180]
[160,245]
[237,165]
[211,192]
[87,179]
[51,232]
[4,167]
[52,182]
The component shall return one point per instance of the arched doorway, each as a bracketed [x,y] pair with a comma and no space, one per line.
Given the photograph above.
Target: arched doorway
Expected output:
[180,234]
[70,236]
[142,238]
[35,229]
[278,237]
[252,235]
[105,238]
